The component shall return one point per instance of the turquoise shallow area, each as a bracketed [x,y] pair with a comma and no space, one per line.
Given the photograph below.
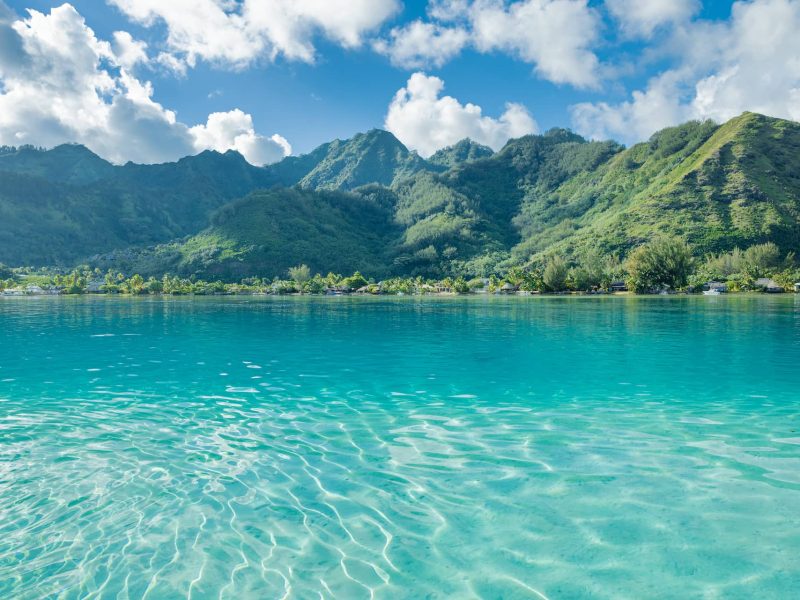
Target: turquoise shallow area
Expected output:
[400,448]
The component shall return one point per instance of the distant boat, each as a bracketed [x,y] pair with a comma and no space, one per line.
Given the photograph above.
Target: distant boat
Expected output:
[715,288]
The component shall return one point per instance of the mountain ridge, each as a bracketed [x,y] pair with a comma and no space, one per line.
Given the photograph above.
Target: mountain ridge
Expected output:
[465,209]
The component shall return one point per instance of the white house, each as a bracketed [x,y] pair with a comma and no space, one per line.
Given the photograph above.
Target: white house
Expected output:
[95,286]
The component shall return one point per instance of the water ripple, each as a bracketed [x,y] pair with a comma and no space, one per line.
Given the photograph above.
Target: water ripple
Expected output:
[426,479]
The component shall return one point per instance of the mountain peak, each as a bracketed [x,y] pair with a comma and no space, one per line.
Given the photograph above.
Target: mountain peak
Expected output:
[73,149]
[461,152]
[375,156]
[66,163]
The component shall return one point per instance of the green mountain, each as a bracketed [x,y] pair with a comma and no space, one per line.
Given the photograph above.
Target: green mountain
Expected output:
[718,187]
[266,232]
[369,203]
[462,152]
[62,205]
[373,157]
[465,218]
[68,163]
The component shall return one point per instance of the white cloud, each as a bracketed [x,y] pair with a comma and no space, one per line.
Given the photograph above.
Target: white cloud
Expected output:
[419,44]
[238,33]
[650,110]
[555,36]
[60,83]
[448,10]
[172,63]
[426,121]
[234,130]
[638,18]
[751,62]
[128,52]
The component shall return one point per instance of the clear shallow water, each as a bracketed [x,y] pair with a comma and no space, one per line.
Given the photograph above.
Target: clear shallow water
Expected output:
[431,448]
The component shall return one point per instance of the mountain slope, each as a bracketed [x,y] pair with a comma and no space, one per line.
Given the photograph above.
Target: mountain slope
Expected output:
[67,163]
[466,210]
[61,205]
[462,152]
[465,218]
[373,157]
[431,223]
[269,231]
[716,186]
[55,211]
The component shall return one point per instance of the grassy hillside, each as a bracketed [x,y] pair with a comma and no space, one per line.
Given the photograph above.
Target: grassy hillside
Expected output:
[466,218]
[373,157]
[54,210]
[718,187]
[269,231]
[462,152]
[62,205]
[67,163]
[466,210]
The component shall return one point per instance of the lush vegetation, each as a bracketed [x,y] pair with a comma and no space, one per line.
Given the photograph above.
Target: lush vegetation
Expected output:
[266,232]
[460,153]
[663,264]
[63,205]
[576,213]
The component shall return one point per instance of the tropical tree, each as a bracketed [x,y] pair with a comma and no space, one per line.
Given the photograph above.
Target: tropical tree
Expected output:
[355,281]
[153,286]
[759,260]
[460,286]
[516,276]
[555,274]
[300,275]
[662,263]
[316,285]
[332,279]
[134,285]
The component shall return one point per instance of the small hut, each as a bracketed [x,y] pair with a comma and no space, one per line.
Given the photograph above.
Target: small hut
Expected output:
[508,288]
[96,286]
[770,286]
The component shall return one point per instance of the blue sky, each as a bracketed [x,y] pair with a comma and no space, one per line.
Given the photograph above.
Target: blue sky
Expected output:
[604,68]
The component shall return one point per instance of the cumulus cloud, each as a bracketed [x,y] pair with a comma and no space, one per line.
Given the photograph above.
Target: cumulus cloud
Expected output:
[128,52]
[426,121]
[234,130]
[641,19]
[60,83]
[751,62]
[239,33]
[419,44]
[555,36]
[648,111]
[448,10]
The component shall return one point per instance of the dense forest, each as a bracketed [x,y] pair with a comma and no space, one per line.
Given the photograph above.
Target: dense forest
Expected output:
[369,204]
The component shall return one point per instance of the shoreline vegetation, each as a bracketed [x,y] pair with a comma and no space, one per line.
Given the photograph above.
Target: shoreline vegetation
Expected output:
[661,266]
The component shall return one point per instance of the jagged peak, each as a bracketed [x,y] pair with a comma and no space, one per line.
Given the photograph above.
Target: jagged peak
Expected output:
[464,150]
[74,148]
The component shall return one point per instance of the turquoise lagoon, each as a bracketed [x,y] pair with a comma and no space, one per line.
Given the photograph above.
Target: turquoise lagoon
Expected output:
[400,448]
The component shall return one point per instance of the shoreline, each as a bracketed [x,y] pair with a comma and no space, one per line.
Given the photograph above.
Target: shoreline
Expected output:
[443,295]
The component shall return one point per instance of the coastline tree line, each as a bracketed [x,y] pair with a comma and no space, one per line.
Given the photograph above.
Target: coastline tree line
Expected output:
[663,264]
